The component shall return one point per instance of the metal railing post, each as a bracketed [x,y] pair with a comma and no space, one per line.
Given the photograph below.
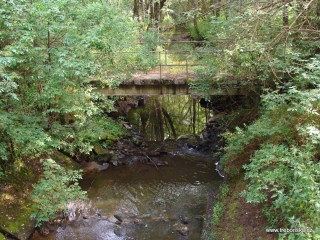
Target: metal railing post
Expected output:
[160,65]
[165,54]
[187,68]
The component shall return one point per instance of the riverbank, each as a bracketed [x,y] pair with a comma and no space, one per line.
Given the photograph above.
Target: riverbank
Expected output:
[15,205]
[16,188]
[234,218]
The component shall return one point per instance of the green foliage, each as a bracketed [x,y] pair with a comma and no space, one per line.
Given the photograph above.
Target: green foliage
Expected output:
[167,23]
[217,213]
[52,194]
[201,87]
[50,51]
[204,26]
[280,150]
[218,209]
[284,164]
[294,177]
[94,131]
[223,191]
[251,44]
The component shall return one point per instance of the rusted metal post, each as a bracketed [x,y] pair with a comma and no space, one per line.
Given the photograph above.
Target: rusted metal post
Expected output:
[187,68]
[160,65]
[165,55]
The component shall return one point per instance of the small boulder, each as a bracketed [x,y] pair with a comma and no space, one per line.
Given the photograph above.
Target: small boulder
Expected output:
[119,217]
[184,220]
[114,220]
[181,229]
[104,166]
[138,221]
[118,231]
[115,163]
[99,150]
[93,167]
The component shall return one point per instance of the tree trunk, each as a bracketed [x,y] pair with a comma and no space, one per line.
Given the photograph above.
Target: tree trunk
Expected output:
[204,7]
[162,2]
[151,13]
[318,14]
[285,13]
[214,6]
[194,116]
[157,14]
[154,10]
[168,117]
[159,121]
[195,19]
[135,8]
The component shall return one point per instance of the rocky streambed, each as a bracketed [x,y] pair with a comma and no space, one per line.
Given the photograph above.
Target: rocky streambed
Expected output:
[160,193]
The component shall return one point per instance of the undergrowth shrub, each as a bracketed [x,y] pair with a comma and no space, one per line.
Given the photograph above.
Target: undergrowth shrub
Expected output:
[218,210]
[204,27]
[282,167]
[53,193]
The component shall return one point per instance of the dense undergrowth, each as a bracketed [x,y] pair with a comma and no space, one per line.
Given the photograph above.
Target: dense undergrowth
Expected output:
[282,160]
[276,46]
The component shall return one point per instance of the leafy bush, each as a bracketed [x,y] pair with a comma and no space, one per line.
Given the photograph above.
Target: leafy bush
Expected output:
[292,179]
[94,131]
[52,194]
[281,152]
[167,23]
[204,27]
[218,210]
[224,190]
[46,96]
[217,213]
[218,207]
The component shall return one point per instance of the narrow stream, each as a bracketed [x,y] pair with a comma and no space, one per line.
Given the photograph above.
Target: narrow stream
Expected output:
[153,203]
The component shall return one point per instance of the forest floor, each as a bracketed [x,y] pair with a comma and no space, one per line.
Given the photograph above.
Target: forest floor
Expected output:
[241,220]
[15,191]
[15,203]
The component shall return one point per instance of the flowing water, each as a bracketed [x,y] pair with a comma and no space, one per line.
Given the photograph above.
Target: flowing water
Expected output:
[154,203]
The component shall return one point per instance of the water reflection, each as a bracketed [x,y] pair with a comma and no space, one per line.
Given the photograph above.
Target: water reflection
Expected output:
[164,117]
[152,203]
